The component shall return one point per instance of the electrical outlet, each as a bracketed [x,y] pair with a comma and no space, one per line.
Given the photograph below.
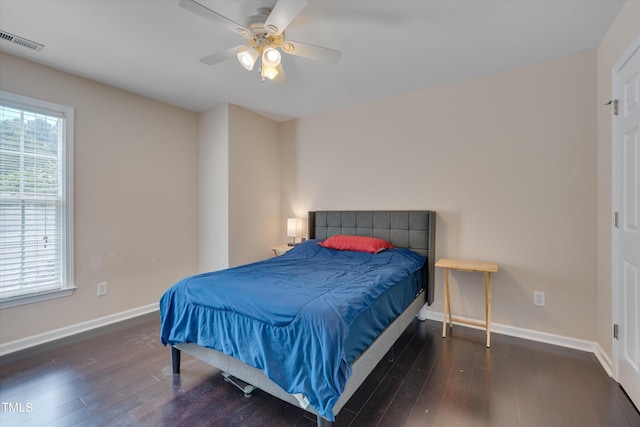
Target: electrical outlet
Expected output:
[538,298]
[102,288]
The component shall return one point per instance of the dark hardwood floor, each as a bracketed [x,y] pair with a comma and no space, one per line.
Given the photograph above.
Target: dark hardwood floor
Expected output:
[121,376]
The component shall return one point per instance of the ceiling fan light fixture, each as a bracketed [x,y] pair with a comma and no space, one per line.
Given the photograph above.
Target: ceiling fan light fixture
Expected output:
[269,72]
[248,57]
[271,57]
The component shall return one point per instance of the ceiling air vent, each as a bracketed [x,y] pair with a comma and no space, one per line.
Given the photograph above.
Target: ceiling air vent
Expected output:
[20,41]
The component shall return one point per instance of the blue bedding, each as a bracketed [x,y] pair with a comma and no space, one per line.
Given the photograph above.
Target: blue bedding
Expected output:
[289,315]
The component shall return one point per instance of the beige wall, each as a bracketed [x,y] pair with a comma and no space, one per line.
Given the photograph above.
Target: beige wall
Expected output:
[623,31]
[239,157]
[135,198]
[254,186]
[509,163]
[213,181]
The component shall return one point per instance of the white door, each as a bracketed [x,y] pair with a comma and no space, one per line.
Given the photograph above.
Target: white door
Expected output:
[626,261]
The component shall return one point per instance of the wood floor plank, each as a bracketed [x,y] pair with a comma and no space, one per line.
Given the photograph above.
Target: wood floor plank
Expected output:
[504,400]
[478,406]
[362,395]
[55,412]
[377,405]
[383,396]
[429,401]
[405,400]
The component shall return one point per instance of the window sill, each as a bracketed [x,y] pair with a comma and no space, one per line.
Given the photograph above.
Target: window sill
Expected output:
[29,299]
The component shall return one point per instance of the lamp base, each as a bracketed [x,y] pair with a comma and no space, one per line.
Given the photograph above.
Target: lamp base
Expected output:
[294,242]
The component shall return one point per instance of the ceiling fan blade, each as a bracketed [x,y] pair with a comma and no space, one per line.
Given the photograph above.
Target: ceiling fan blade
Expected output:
[222,56]
[209,14]
[282,14]
[322,54]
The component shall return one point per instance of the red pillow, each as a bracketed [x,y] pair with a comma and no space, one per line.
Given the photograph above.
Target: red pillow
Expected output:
[342,242]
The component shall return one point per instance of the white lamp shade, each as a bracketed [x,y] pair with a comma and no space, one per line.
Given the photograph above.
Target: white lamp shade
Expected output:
[294,227]
[248,57]
[269,72]
[271,57]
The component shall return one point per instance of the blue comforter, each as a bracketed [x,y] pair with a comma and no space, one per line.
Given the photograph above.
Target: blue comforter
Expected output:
[288,315]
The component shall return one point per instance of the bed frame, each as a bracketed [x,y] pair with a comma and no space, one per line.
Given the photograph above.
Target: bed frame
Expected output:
[406,229]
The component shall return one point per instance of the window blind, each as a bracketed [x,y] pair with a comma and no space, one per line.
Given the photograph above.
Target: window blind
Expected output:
[33,205]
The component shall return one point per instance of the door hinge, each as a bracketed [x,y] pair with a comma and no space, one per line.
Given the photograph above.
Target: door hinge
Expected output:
[615,106]
[615,219]
[615,331]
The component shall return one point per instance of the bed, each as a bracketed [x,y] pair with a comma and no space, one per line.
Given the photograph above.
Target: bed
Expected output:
[320,369]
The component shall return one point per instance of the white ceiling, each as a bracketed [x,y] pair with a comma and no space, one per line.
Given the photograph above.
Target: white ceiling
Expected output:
[389,47]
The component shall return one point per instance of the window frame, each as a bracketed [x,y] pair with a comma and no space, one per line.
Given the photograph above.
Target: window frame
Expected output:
[13,100]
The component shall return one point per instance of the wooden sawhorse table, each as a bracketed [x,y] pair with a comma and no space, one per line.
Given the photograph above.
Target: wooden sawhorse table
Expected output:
[473,266]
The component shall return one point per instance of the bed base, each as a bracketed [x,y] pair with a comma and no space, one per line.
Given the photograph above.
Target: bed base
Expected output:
[247,389]
[362,366]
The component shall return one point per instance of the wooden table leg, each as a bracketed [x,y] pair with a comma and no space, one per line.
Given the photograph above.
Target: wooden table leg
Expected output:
[487,297]
[444,308]
[447,305]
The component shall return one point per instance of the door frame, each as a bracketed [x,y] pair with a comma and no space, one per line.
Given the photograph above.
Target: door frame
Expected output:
[615,201]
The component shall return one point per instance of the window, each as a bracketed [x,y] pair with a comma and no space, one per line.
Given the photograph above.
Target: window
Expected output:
[36,200]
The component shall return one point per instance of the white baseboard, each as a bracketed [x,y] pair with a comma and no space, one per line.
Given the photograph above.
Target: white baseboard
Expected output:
[34,340]
[604,359]
[544,337]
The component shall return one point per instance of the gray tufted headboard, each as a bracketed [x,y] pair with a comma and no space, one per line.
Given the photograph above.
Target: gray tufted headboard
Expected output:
[415,230]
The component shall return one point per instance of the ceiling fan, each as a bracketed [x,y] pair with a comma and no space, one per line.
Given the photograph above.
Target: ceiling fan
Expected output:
[264,37]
